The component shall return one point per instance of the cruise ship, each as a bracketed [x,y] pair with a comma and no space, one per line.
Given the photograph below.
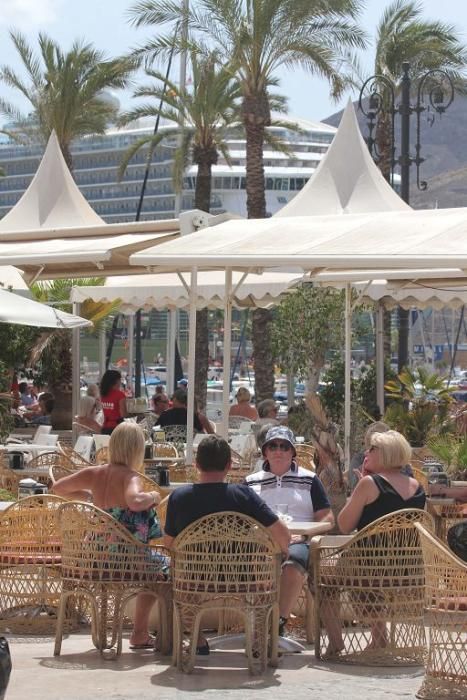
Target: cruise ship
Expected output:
[96,160]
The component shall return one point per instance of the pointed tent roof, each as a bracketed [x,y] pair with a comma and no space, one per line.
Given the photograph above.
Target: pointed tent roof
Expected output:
[346,181]
[52,200]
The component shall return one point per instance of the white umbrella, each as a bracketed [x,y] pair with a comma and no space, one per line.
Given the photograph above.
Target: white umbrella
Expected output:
[26,312]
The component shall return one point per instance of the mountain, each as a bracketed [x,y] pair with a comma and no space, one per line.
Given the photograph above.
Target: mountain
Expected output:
[444,147]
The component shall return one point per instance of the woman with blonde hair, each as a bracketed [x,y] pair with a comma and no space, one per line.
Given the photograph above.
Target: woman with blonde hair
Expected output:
[243,408]
[382,488]
[87,418]
[116,488]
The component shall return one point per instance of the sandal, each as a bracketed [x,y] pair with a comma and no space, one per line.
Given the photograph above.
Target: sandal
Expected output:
[203,650]
[150,643]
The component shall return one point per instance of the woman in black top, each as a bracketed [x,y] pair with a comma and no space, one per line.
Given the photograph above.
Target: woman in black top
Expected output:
[382,489]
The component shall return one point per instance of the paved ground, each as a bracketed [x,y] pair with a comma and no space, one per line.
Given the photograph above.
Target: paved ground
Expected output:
[81,674]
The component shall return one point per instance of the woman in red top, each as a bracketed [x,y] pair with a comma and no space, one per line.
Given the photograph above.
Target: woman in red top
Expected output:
[113,400]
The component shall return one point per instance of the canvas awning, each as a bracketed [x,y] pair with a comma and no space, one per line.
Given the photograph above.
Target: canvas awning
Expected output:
[172,291]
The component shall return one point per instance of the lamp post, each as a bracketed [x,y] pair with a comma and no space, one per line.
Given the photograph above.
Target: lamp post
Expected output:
[434,94]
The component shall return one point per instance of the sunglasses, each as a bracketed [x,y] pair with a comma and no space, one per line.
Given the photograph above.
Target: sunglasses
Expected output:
[372,448]
[282,446]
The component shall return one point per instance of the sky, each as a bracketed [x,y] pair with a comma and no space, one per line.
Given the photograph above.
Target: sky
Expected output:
[105,24]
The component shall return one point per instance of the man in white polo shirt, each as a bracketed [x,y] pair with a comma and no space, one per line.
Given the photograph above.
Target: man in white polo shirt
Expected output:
[282,482]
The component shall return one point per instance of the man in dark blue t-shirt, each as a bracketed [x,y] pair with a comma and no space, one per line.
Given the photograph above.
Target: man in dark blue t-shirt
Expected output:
[212,495]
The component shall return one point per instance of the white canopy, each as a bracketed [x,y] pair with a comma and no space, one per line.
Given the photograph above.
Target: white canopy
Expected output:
[397,239]
[53,232]
[26,312]
[347,181]
[172,291]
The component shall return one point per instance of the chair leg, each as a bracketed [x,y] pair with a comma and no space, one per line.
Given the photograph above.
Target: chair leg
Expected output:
[188,660]
[274,635]
[177,637]
[309,616]
[60,622]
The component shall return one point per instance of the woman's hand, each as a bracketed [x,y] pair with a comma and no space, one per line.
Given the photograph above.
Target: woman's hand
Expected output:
[157,497]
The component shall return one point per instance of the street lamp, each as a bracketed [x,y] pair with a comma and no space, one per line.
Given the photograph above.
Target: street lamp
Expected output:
[435,93]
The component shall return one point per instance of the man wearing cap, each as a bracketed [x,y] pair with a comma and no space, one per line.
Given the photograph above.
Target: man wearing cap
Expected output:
[282,482]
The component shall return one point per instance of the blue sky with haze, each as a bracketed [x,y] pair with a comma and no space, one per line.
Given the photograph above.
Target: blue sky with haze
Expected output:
[105,24]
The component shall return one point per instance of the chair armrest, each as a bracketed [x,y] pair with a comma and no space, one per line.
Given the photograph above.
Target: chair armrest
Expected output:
[336,541]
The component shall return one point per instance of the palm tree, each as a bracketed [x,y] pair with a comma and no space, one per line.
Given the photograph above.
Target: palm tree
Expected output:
[65,91]
[403,35]
[52,350]
[258,37]
[202,114]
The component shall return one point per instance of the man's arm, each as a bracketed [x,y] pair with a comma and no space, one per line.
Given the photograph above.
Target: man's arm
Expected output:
[280,534]
[325,515]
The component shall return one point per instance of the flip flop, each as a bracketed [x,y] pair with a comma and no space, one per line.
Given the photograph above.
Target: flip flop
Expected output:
[148,644]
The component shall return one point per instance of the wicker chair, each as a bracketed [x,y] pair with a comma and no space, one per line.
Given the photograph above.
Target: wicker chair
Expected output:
[30,559]
[9,478]
[446,605]
[164,449]
[374,578]
[226,561]
[175,433]
[47,459]
[74,457]
[102,455]
[102,562]
[57,472]
[445,516]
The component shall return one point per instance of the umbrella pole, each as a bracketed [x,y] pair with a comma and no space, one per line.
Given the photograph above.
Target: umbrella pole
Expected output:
[348,358]
[191,365]
[380,357]
[76,372]
[227,352]
[131,353]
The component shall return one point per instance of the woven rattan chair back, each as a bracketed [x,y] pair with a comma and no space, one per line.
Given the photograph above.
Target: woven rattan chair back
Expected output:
[74,457]
[48,459]
[57,472]
[30,559]
[226,561]
[9,478]
[175,433]
[376,580]
[104,563]
[446,605]
[102,455]
[164,449]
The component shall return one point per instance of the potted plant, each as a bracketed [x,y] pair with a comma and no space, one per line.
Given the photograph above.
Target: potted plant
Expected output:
[451,450]
[420,404]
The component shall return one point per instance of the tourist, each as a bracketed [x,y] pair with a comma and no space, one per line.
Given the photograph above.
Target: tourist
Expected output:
[267,412]
[282,482]
[177,415]
[160,403]
[243,408]
[44,415]
[212,495]
[113,400]
[88,410]
[382,489]
[116,489]
[27,396]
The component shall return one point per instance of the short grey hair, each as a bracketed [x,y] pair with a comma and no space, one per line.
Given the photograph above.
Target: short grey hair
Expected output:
[264,407]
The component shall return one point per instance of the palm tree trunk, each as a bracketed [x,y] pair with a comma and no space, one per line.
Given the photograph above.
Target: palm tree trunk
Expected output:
[256,208]
[67,156]
[202,201]
[262,355]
